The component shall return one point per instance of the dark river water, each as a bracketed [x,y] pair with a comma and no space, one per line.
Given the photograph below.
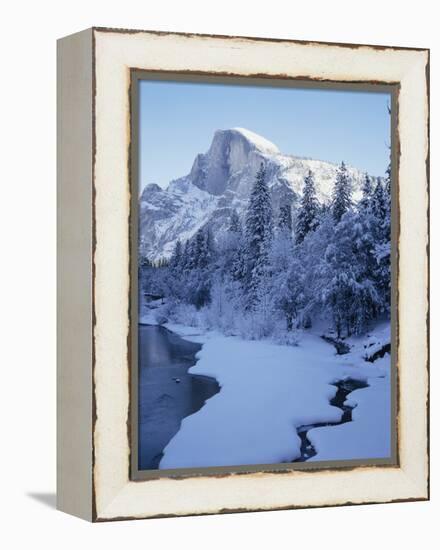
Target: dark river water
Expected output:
[344,387]
[167,393]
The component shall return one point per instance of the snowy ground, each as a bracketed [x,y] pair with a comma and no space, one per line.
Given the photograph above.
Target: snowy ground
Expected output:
[268,390]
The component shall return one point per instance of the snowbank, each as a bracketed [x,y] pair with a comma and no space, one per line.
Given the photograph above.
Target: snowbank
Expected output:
[268,390]
[377,342]
[368,435]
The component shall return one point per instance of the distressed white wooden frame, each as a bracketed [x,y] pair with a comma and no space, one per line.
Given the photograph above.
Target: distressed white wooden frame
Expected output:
[104,441]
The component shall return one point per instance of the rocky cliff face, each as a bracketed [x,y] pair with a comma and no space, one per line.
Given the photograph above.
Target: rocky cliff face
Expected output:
[233,156]
[219,182]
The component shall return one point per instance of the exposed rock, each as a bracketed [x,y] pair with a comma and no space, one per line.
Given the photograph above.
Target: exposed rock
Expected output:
[219,182]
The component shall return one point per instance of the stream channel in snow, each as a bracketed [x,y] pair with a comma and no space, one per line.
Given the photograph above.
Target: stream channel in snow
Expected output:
[168,393]
[345,387]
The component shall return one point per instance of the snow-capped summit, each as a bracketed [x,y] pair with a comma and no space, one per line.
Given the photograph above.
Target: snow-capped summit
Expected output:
[261,143]
[220,181]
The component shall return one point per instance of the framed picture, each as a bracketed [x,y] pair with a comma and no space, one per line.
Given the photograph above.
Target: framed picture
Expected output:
[243,274]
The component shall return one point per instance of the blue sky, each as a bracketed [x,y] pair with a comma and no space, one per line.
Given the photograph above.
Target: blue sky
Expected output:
[178,120]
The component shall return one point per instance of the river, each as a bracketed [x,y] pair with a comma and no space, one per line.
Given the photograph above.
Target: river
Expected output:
[167,392]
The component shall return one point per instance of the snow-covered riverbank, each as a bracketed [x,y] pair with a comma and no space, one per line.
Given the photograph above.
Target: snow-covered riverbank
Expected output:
[268,390]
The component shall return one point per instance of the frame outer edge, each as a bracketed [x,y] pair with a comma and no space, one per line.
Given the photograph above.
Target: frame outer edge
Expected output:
[100,30]
[74,274]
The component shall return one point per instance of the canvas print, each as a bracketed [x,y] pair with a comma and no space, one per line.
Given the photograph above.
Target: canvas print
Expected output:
[264,275]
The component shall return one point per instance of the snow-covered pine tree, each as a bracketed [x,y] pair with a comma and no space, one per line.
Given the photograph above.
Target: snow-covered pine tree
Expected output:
[282,243]
[349,291]
[388,180]
[184,257]
[258,234]
[307,217]
[379,209]
[339,288]
[341,193]
[368,302]
[190,255]
[285,219]
[311,255]
[364,240]
[235,223]
[207,253]
[387,196]
[176,258]
[288,292]
[367,192]
[199,263]
[234,260]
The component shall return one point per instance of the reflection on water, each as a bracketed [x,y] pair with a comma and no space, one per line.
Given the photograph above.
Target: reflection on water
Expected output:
[167,393]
